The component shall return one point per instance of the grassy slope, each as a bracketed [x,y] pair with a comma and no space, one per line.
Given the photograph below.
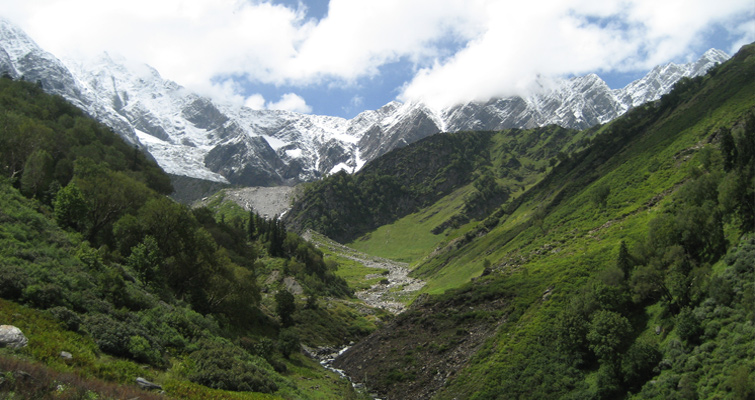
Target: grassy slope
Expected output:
[576,240]
[554,240]
[411,238]
[638,174]
[517,158]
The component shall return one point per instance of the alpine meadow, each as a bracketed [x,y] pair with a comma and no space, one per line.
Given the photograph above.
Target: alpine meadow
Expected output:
[601,255]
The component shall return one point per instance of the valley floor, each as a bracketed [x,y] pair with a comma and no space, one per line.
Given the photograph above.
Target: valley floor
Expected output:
[392,292]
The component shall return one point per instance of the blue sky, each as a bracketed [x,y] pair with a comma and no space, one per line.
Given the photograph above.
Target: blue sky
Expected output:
[341,57]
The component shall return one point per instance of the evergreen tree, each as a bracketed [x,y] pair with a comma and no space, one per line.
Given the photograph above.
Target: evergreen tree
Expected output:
[623,262]
[252,228]
[285,306]
[728,149]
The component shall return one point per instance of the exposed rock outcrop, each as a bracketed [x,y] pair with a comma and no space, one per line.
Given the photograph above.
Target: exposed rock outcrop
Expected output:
[12,337]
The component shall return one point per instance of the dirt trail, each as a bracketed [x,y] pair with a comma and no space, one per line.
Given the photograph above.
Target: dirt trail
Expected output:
[391,296]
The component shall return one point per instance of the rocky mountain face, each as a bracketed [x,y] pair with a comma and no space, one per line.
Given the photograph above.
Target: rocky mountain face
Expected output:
[194,136]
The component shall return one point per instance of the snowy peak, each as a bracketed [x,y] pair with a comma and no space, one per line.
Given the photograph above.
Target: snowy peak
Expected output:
[661,79]
[577,103]
[16,43]
[193,136]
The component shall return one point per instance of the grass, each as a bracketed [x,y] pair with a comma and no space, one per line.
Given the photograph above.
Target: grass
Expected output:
[574,242]
[411,238]
[356,274]
[225,208]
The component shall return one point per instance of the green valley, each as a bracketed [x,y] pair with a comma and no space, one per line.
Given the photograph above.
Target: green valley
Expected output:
[599,276]
[616,262]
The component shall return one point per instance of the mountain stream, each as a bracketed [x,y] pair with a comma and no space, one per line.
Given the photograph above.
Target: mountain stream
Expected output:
[395,290]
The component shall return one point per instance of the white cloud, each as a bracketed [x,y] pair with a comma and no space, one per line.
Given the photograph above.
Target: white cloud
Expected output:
[287,102]
[499,47]
[291,102]
[255,102]
[522,41]
[745,31]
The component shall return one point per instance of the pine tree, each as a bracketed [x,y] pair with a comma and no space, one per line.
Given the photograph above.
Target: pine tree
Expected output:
[252,226]
[728,149]
[623,262]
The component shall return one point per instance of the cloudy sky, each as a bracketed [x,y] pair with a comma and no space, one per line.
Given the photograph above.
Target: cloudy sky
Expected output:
[340,57]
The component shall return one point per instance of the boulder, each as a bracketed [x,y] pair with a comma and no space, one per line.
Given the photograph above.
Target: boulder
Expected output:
[66,355]
[145,384]
[292,285]
[12,337]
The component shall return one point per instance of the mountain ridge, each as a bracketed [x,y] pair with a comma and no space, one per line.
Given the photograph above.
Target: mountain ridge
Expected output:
[194,136]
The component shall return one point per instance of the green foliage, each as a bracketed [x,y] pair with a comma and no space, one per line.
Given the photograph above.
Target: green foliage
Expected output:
[145,259]
[638,363]
[687,326]
[226,368]
[608,334]
[70,207]
[130,276]
[288,342]
[599,195]
[37,175]
[285,306]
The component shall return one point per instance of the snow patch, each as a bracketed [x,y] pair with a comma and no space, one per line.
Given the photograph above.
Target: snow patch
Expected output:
[297,153]
[274,142]
[340,167]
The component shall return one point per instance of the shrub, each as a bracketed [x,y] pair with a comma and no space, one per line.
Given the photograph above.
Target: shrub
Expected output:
[226,368]
[13,281]
[124,339]
[44,295]
[288,342]
[638,363]
[688,326]
[608,334]
[70,319]
[599,195]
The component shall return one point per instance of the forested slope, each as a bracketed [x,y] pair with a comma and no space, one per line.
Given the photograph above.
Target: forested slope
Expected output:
[96,261]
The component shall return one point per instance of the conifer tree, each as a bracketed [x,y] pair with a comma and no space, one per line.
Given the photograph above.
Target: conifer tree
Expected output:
[623,262]
[252,226]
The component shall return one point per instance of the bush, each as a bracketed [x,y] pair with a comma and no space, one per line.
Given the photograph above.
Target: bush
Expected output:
[288,342]
[226,368]
[13,281]
[688,326]
[70,319]
[608,334]
[44,295]
[638,363]
[124,339]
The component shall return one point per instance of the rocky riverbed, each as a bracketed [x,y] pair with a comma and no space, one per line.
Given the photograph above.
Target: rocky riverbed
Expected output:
[393,292]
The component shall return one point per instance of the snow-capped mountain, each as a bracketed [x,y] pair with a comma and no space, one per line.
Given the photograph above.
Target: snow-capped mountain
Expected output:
[191,135]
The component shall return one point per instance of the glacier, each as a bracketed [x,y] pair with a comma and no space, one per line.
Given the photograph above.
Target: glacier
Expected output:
[195,136]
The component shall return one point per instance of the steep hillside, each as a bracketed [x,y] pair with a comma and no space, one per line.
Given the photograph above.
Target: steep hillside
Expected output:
[488,166]
[97,262]
[626,272]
